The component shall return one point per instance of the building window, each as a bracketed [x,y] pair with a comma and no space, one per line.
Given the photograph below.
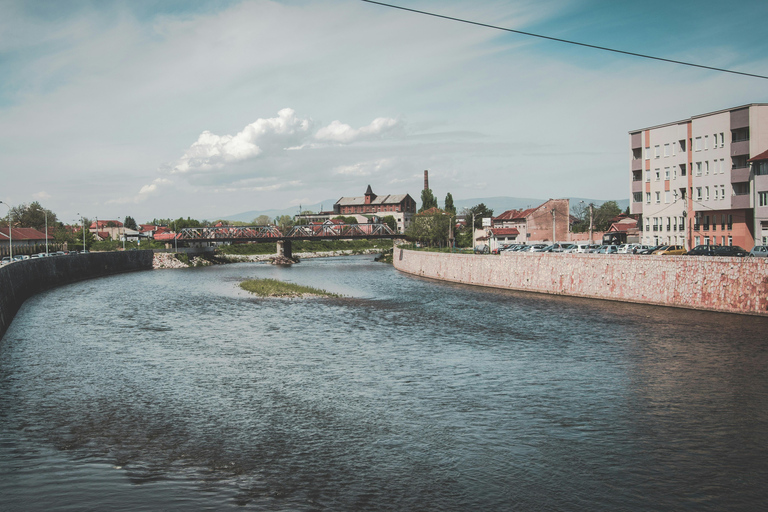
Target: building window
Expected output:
[637,197]
[674,148]
[706,142]
[697,146]
[698,193]
[648,198]
[762,198]
[656,151]
[697,240]
[647,175]
[706,168]
[698,168]
[722,140]
[666,173]
[657,172]
[674,196]
[666,150]
[722,191]
[761,168]
[648,153]
[666,197]
[706,240]
[674,172]
[706,193]
[658,197]
[740,135]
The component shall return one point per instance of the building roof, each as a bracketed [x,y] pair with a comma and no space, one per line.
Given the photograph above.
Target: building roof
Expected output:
[515,214]
[103,224]
[22,234]
[698,116]
[432,211]
[387,199]
[761,156]
[504,231]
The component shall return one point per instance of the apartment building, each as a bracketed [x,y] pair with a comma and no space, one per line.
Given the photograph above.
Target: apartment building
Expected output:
[694,181]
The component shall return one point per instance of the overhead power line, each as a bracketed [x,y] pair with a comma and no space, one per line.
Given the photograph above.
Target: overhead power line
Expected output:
[604,48]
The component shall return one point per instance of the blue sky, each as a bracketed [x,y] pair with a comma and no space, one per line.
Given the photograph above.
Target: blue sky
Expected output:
[208,109]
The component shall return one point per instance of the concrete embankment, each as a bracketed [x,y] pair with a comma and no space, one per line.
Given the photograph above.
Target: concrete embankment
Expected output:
[23,279]
[732,285]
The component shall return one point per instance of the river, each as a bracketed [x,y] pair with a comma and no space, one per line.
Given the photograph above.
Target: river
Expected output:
[176,390]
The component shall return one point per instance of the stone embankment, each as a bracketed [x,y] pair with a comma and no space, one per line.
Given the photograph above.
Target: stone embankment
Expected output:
[733,285]
[23,279]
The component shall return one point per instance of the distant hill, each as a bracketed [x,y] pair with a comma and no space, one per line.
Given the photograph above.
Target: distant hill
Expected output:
[498,204]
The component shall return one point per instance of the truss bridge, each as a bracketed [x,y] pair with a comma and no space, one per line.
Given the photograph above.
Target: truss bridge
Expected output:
[234,234]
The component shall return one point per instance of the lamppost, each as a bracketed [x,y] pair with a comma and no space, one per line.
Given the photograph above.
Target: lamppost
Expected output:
[590,221]
[10,234]
[82,221]
[553,225]
[46,233]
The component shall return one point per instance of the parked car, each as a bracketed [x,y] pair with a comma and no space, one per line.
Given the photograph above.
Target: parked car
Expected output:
[702,250]
[650,249]
[671,250]
[759,250]
[730,250]
[479,249]
[534,248]
[5,260]
[608,249]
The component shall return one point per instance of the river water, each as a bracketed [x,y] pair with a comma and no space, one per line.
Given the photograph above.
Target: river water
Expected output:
[175,390]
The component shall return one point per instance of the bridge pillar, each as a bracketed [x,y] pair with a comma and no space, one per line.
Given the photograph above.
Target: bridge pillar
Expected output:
[284,249]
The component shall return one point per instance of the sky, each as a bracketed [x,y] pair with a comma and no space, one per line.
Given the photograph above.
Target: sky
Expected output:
[205,109]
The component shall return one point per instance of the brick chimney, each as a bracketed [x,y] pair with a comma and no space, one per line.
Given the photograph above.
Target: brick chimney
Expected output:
[426,180]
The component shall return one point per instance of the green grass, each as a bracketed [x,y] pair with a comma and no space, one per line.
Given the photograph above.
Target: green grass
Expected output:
[275,288]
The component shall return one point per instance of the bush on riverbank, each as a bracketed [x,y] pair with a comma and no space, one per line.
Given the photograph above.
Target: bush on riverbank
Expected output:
[275,288]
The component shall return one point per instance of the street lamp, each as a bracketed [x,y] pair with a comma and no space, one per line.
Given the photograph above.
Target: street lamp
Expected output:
[10,234]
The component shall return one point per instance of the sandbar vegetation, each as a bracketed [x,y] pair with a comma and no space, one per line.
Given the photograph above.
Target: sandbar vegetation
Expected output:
[275,288]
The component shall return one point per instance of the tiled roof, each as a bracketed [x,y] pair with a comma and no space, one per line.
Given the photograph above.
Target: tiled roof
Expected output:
[515,214]
[22,234]
[761,156]
[431,211]
[504,231]
[387,199]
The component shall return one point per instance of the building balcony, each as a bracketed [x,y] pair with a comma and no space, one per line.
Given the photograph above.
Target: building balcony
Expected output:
[637,164]
[740,175]
[741,201]
[637,186]
[636,140]
[637,207]
[740,148]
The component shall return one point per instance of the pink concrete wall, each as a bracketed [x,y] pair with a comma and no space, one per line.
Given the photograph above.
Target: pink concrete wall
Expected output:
[735,285]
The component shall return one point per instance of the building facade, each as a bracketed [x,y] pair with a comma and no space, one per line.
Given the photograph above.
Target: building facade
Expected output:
[692,180]
[547,223]
[401,206]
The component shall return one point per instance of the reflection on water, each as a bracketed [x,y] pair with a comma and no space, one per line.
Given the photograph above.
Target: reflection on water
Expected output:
[176,390]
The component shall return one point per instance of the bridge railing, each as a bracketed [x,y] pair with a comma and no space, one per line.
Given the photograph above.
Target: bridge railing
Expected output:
[272,232]
[230,232]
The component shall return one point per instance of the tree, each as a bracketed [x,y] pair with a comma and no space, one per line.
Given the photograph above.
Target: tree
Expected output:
[605,214]
[30,216]
[581,211]
[480,211]
[428,200]
[346,220]
[130,223]
[284,221]
[390,221]
[449,207]
[262,220]
[430,228]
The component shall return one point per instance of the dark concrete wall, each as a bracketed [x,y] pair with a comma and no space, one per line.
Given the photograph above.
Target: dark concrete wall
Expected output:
[23,279]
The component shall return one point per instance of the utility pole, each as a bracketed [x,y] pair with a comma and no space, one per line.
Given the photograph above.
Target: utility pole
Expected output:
[590,222]
[554,239]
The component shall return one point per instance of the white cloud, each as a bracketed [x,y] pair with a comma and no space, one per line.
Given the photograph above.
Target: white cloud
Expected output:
[345,134]
[363,168]
[42,195]
[212,151]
